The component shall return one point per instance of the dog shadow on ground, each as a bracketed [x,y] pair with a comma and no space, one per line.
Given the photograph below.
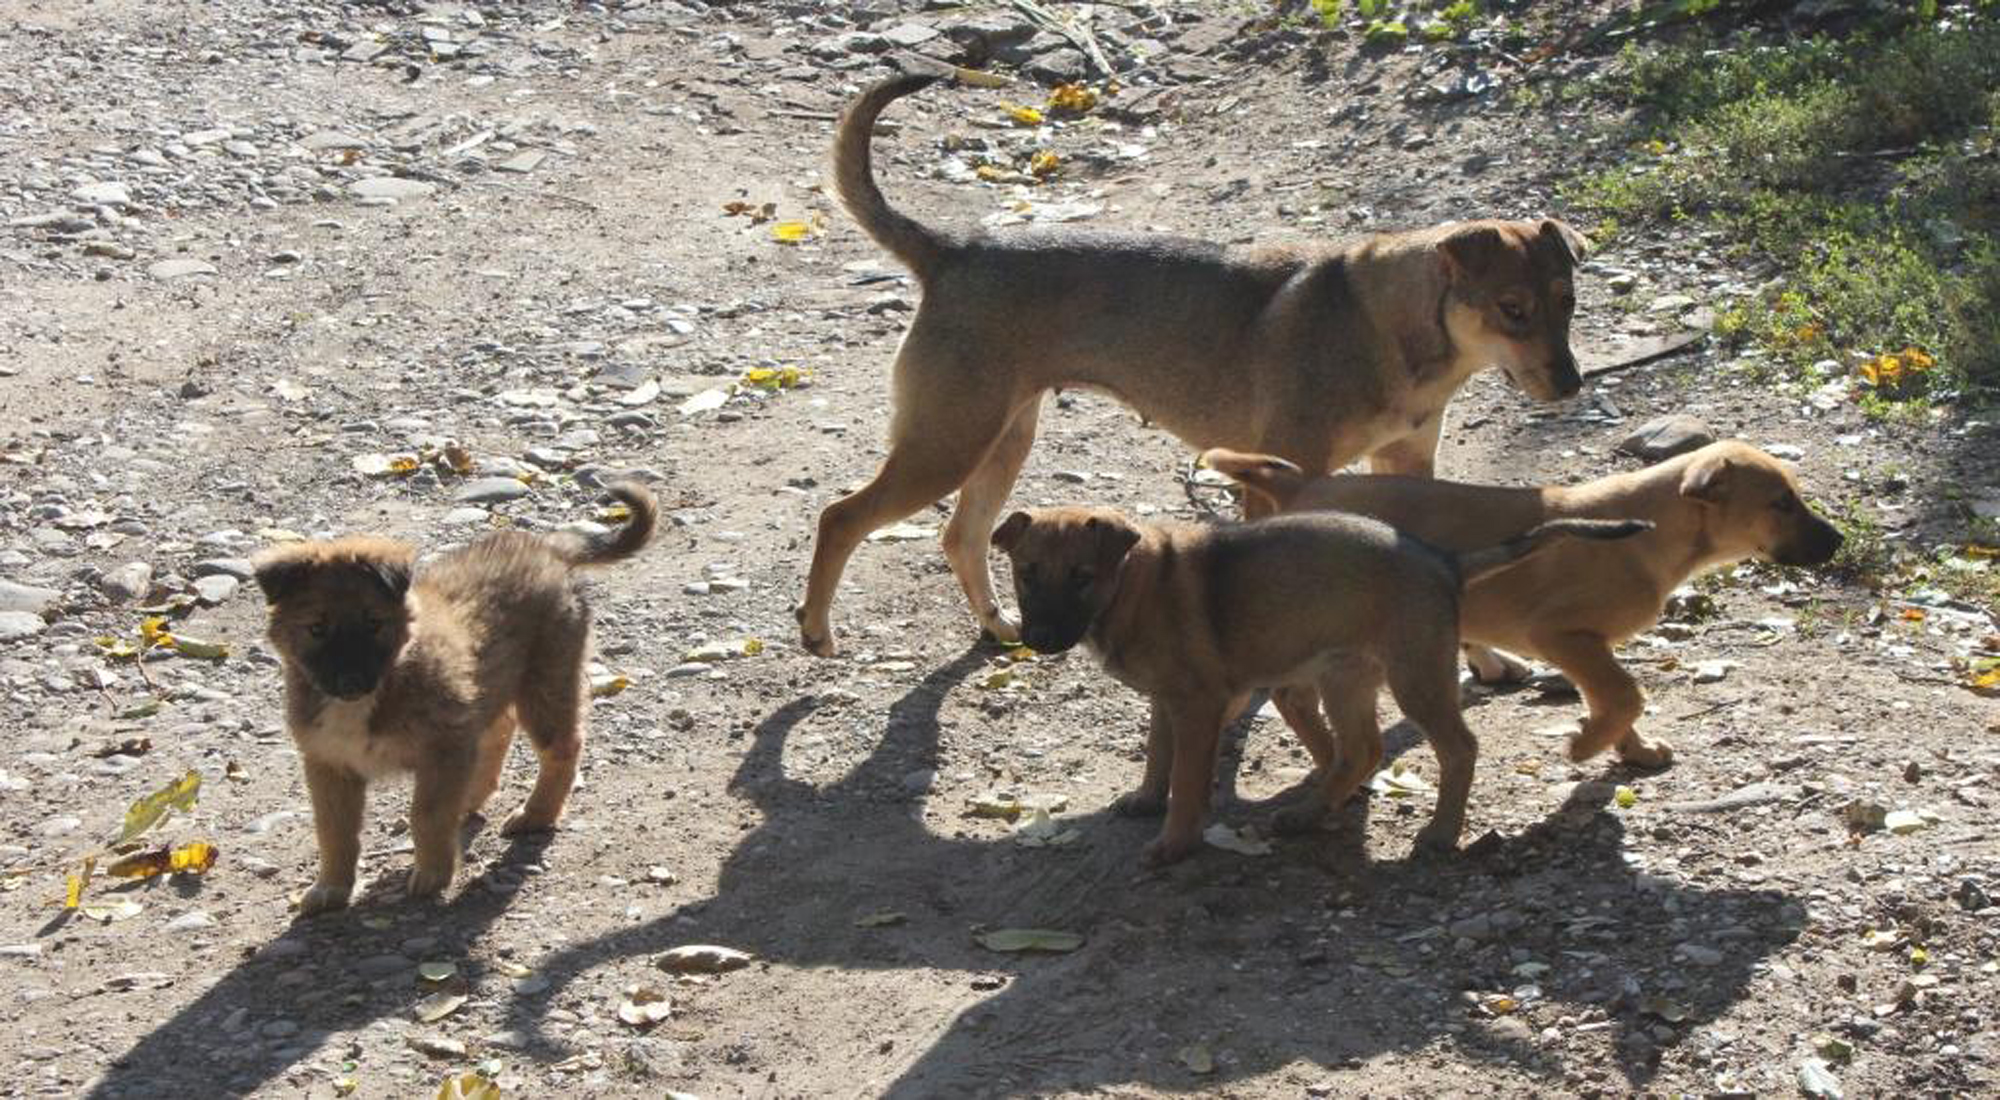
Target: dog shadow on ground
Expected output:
[317,979]
[1317,954]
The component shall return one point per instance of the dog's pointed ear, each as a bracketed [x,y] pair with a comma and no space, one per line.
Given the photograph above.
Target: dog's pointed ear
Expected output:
[1707,478]
[1469,250]
[1572,242]
[279,574]
[1010,531]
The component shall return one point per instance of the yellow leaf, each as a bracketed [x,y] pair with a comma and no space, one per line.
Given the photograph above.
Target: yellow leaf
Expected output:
[181,794]
[1043,164]
[1024,116]
[977,79]
[193,859]
[989,173]
[154,632]
[609,686]
[1072,97]
[1626,798]
[73,897]
[197,647]
[345,1086]
[468,1086]
[790,232]
[1914,614]
[1988,680]
[752,646]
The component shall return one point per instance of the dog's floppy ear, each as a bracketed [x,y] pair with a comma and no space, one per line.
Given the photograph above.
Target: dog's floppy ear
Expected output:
[280,574]
[1470,250]
[392,573]
[1707,478]
[1115,537]
[1572,242]
[1010,531]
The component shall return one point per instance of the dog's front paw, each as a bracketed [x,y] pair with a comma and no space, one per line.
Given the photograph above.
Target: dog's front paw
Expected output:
[1437,840]
[1000,627]
[1641,753]
[324,897]
[428,882]
[1140,803]
[1592,739]
[1490,666]
[817,641]
[1168,848]
[521,823]
[1299,818]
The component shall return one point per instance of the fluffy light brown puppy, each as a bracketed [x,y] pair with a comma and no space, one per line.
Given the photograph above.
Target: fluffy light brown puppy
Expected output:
[1320,353]
[1573,604]
[385,674]
[1199,617]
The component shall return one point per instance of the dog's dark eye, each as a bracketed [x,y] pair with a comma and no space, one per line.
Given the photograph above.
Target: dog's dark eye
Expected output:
[1513,311]
[317,630]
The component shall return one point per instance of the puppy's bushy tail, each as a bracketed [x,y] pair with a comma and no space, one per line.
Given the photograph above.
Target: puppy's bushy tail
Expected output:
[1268,476]
[1474,564]
[916,245]
[629,538]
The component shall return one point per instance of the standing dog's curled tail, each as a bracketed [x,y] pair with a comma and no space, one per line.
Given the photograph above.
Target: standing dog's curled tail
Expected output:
[915,244]
[625,541]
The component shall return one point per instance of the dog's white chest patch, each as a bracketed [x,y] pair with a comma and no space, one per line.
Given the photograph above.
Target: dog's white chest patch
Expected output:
[338,735]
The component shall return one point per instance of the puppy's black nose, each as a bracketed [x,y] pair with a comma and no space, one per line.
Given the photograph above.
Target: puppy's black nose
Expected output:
[1569,382]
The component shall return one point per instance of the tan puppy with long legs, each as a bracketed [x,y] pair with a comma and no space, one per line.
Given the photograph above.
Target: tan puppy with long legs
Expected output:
[1319,353]
[387,674]
[1574,603]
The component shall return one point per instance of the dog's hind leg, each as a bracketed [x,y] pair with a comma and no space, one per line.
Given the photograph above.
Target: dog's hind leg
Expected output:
[1347,690]
[935,445]
[1425,686]
[968,537]
[493,745]
[552,710]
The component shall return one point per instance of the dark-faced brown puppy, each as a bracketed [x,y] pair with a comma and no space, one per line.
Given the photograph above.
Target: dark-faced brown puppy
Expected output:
[1321,353]
[386,674]
[1572,605]
[1199,617]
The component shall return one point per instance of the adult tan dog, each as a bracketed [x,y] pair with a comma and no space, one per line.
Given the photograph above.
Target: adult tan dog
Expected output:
[1573,604]
[385,674]
[1199,617]
[1319,353]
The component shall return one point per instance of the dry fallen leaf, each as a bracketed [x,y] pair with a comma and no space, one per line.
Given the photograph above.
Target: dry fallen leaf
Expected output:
[791,232]
[194,859]
[1022,116]
[644,1006]
[437,1006]
[1029,939]
[181,794]
[703,958]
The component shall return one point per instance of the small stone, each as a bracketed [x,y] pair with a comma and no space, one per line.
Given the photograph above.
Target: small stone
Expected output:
[390,187]
[1711,672]
[321,141]
[381,966]
[910,35]
[525,161]
[1670,303]
[1666,436]
[216,589]
[1700,955]
[175,269]
[437,1046]
[466,517]
[16,625]
[1472,928]
[26,597]
[101,194]
[279,1029]
[240,568]
[491,490]
[1790,452]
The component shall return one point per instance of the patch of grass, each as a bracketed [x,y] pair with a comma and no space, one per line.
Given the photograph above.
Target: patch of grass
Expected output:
[1867,556]
[1866,167]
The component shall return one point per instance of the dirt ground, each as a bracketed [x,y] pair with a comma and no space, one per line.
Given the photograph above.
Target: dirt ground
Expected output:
[570,313]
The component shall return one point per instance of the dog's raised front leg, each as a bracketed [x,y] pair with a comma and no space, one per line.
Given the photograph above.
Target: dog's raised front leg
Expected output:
[1613,697]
